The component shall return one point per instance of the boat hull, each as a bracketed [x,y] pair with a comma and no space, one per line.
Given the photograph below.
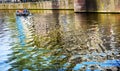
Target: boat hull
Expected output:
[22,13]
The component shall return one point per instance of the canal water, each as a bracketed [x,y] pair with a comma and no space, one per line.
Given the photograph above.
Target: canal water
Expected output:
[59,41]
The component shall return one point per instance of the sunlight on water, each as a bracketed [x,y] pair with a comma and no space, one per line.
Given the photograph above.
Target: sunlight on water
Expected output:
[59,41]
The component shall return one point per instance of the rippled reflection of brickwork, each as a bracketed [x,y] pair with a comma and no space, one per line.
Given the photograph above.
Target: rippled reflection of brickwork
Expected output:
[53,40]
[80,37]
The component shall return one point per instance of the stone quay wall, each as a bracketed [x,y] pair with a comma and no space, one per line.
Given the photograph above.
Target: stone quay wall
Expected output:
[61,4]
[106,6]
[97,6]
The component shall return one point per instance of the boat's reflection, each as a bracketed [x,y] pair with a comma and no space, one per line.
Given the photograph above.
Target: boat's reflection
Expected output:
[25,28]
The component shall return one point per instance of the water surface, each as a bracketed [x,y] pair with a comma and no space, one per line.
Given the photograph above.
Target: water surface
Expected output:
[59,41]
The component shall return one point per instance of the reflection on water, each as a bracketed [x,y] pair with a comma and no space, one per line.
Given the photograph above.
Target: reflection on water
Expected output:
[60,41]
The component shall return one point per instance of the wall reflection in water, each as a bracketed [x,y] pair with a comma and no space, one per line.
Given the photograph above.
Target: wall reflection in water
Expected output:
[79,41]
[65,41]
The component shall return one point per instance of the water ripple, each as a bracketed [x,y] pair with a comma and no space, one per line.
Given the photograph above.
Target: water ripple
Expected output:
[59,41]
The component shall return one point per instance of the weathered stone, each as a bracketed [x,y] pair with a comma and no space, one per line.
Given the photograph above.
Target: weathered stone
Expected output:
[97,6]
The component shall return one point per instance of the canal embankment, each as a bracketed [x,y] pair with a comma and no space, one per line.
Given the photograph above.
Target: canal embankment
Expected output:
[96,6]
[102,6]
[46,5]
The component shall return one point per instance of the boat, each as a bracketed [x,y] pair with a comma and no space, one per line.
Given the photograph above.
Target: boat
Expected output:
[24,12]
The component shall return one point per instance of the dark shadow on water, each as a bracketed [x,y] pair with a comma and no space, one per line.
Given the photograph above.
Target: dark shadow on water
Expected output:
[57,25]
